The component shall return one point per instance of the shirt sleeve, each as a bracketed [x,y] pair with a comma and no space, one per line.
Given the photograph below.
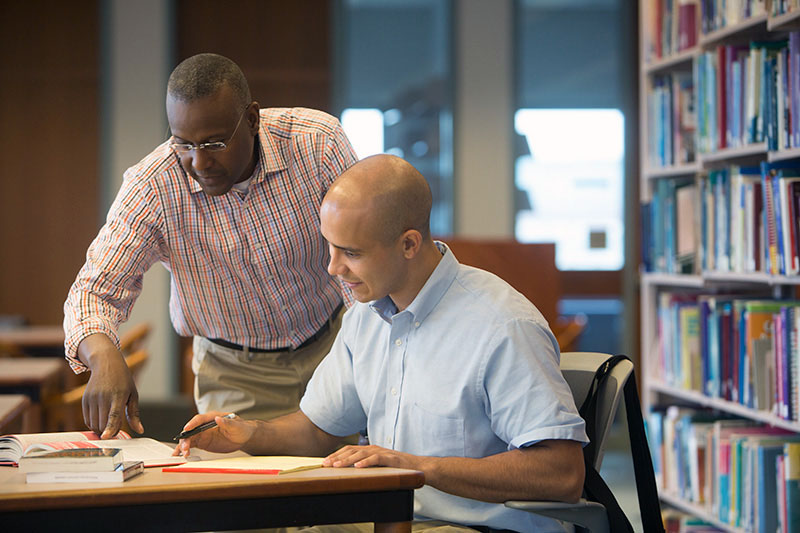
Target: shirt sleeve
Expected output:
[526,394]
[331,399]
[108,284]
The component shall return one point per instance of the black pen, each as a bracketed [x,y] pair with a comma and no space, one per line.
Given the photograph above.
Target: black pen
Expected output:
[202,427]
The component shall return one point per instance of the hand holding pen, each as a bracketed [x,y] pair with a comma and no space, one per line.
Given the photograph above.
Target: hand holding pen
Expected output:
[227,433]
[202,427]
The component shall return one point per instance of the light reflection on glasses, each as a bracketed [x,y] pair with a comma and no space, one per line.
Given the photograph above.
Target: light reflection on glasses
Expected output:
[214,146]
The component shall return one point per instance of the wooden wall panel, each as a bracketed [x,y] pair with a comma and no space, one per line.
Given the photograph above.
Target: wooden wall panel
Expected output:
[282,47]
[48,152]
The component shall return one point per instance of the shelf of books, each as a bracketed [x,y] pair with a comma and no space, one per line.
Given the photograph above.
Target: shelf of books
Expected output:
[720,273]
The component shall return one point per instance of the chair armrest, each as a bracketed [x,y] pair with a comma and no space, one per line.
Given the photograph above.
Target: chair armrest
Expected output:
[584,513]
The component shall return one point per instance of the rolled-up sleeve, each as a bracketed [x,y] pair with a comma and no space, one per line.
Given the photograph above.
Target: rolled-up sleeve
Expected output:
[108,284]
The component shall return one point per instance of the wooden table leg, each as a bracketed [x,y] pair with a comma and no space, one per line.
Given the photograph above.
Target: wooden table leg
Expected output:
[392,527]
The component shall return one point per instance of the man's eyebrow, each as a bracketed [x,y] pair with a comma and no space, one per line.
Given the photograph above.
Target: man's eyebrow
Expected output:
[345,248]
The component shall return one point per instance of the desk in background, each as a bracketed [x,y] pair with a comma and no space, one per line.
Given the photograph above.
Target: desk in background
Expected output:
[36,378]
[40,341]
[12,412]
[159,501]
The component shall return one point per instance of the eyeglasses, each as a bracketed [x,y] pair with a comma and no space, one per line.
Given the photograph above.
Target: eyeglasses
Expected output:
[215,146]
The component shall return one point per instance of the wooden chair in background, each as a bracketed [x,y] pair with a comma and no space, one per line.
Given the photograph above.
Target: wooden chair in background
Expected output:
[65,411]
[531,269]
[12,413]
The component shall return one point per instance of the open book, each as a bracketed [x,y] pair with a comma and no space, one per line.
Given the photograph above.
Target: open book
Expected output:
[274,464]
[150,451]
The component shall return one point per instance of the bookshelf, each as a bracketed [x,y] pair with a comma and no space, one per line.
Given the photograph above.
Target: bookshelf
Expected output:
[708,271]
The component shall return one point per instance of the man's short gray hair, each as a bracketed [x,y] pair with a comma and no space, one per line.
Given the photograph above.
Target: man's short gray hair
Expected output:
[203,75]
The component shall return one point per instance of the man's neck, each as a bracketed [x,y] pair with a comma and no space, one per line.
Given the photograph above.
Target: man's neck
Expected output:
[251,167]
[425,263]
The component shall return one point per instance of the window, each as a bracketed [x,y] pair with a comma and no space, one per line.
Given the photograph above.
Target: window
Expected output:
[572,180]
[392,85]
[569,172]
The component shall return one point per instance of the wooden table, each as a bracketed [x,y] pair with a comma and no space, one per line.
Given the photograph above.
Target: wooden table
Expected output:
[12,411]
[34,340]
[37,378]
[160,501]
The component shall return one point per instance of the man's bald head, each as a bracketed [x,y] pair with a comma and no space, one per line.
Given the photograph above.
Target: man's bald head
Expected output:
[396,194]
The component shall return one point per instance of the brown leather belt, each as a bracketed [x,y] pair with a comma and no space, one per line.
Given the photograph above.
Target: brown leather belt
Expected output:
[312,339]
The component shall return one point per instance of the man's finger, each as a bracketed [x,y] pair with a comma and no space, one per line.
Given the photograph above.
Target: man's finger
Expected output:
[113,422]
[92,416]
[132,411]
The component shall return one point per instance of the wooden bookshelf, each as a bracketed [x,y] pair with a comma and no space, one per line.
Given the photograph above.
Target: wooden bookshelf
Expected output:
[664,385]
[682,59]
[698,511]
[785,22]
[783,155]
[751,151]
[672,280]
[685,169]
[743,30]
[726,406]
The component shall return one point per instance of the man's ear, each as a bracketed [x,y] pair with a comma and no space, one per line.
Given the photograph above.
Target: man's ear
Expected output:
[412,243]
[253,117]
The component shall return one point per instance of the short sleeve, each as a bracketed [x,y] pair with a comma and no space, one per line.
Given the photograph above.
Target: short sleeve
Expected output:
[527,397]
[331,400]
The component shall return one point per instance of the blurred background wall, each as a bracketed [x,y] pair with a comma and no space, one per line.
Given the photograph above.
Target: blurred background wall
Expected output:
[82,87]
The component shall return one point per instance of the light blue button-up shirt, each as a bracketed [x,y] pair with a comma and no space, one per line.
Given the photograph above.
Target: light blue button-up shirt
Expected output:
[468,369]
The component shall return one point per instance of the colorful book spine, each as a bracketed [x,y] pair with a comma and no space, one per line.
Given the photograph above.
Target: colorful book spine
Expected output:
[791,453]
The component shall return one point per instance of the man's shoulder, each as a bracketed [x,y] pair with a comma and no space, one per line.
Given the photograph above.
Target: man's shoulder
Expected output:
[496,298]
[289,121]
[153,166]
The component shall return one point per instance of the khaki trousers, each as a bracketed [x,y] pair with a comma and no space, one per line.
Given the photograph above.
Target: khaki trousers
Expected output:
[256,385]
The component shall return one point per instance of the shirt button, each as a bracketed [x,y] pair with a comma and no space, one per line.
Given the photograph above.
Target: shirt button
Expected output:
[394,391]
[416,324]
[398,342]
[389,441]
[291,332]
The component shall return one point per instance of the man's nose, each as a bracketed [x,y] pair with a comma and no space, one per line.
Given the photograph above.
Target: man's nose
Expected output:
[201,160]
[334,265]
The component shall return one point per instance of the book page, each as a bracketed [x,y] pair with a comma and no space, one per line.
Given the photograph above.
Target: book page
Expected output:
[150,451]
[13,446]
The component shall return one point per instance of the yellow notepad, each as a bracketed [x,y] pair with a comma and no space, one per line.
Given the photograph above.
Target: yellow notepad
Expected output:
[270,464]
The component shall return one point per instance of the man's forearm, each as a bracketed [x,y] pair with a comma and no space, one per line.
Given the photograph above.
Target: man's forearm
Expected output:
[552,470]
[292,434]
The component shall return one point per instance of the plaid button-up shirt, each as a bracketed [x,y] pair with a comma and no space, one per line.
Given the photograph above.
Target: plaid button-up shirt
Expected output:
[246,267]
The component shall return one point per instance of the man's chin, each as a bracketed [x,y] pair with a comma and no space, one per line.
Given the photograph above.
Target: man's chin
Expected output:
[219,190]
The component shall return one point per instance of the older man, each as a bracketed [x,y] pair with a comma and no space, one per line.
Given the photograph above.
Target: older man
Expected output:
[230,206]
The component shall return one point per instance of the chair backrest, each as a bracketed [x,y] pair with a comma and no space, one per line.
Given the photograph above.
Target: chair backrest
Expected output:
[579,369]
[528,267]
[135,338]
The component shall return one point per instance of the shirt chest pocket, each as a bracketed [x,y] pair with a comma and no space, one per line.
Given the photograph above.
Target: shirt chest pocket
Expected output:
[436,434]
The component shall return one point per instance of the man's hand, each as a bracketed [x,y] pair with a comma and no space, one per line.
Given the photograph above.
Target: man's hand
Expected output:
[229,435]
[111,392]
[363,456]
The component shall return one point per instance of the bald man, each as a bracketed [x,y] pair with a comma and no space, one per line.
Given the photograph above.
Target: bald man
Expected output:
[451,370]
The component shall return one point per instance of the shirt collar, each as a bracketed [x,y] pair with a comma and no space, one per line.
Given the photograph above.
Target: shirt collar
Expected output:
[434,289]
[269,159]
